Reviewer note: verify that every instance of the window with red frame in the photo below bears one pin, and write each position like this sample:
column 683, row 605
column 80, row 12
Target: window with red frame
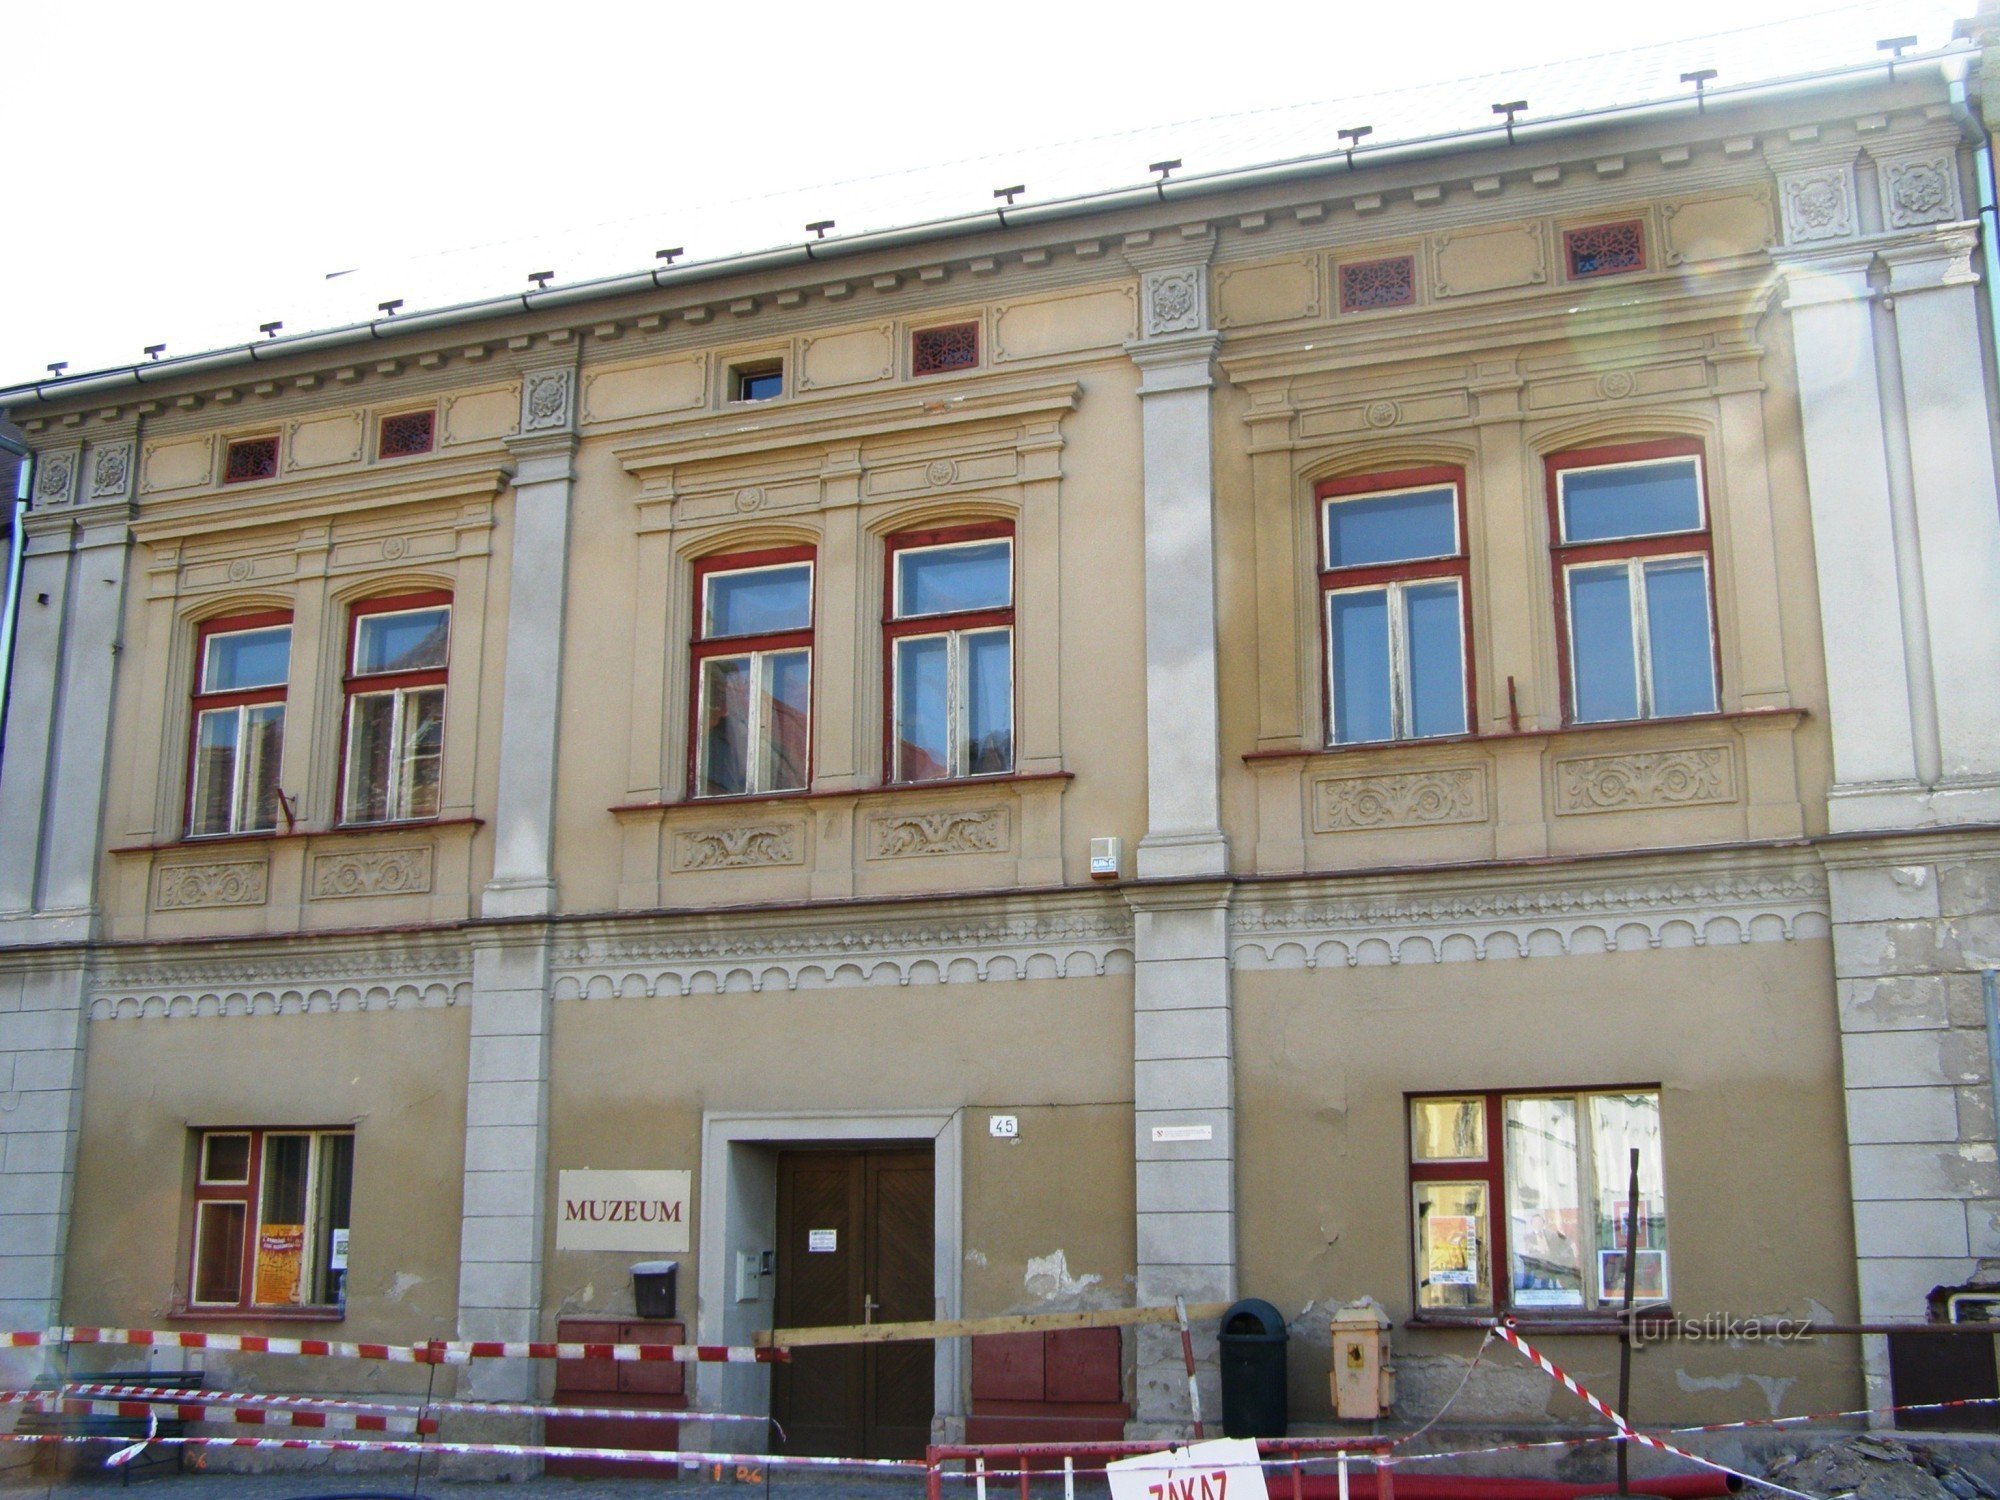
column 393, row 755
column 1634, row 600
column 753, row 673
column 241, row 667
column 1535, row 1188
column 271, row 1210
column 1393, row 585
column 949, row 636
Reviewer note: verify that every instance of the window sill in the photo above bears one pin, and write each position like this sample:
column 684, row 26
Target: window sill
column 1740, row 716
column 886, row 789
column 256, row 1314
column 338, row 830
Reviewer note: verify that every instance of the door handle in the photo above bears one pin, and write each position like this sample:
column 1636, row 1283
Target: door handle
column 869, row 1307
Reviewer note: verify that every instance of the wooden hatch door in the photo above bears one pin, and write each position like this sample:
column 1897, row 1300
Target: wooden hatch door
column 854, row 1246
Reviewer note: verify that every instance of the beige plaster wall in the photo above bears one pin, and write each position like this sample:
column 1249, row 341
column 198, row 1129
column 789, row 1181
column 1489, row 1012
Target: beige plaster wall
column 633, row 1078
column 1756, row 1170
column 398, row 1078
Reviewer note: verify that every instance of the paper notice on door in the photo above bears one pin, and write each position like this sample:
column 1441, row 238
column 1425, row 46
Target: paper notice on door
column 822, row 1241
column 1225, row 1469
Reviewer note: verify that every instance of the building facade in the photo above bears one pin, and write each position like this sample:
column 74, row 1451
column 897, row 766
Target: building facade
column 1516, row 609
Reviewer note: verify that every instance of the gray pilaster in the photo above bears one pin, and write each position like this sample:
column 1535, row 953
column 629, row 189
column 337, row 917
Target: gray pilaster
column 1183, row 1088
column 506, row 1152
column 523, row 881
column 1175, row 355
column 64, row 681
column 41, row 1106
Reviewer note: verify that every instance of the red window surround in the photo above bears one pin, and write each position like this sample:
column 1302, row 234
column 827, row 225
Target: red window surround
column 700, row 649
column 1459, row 567
column 893, row 628
column 1563, row 555
column 218, row 1255
column 1491, row 1171
column 352, row 686
column 202, row 701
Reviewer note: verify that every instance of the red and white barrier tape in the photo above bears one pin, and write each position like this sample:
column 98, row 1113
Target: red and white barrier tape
column 155, row 1395
column 179, row 1408
column 437, row 1352
column 1626, row 1431
column 488, row 1450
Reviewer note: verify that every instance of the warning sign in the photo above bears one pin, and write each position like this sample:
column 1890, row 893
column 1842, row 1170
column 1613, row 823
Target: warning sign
column 1225, row 1469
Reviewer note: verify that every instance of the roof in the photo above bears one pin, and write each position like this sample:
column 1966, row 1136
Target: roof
column 716, row 235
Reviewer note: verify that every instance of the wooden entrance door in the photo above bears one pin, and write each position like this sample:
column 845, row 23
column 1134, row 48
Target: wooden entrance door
column 854, row 1246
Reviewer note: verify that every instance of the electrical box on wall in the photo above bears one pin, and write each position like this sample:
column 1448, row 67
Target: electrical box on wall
column 749, row 1274
column 1104, row 857
column 1364, row 1381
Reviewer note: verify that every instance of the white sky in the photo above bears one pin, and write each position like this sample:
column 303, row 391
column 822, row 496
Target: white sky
column 182, row 169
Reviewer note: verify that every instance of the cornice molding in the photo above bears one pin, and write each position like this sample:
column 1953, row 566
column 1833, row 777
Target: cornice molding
column 214, row 510
column 708, row 438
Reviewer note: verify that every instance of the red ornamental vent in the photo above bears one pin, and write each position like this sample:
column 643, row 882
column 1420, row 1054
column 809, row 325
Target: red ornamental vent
column 1604, row 249
column 935, row 350
column 250, row 458
column 407, row 433
column 1366, row 285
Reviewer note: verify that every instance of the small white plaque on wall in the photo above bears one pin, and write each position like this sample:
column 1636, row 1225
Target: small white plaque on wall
column 1183, row 1132
column 622, row 1210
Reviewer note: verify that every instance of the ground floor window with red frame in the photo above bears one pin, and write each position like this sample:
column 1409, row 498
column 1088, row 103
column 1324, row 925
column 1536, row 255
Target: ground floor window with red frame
column 1533, row 1188
column 270, row 1219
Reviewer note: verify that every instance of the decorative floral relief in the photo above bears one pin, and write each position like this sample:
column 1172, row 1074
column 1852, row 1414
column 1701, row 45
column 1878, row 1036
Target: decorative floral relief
column 737, row 848
column 1819, row 205
column 1173, row 302
column 372, row 872
column 1918, row 192
column 111, row 472
column 545, row 401
column 1667, row 778
column 58, row 474
column 239, row 882
column 1407, row 800
column 956, row 831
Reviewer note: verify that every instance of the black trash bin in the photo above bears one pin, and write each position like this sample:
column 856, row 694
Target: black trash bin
column 1253, row 1370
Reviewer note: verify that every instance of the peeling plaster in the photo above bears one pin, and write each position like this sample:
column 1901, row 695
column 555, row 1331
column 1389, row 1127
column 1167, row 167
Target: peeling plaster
column 1693, row 1383
column 1774, row 1388
column 406, row 1282
column 975, row 1257
column 1048, row 1277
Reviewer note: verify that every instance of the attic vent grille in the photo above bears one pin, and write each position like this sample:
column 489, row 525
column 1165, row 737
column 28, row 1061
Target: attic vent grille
column 250, row 458
column 1366, row 285
column 407, row 433
column 1604, row 249
column 936, row 350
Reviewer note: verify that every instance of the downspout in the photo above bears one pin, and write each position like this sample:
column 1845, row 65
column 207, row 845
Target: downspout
column 10, row 596
column 1989, row 237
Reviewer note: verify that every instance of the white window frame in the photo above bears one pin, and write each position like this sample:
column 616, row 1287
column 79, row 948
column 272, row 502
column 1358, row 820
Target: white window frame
column 1642, row 634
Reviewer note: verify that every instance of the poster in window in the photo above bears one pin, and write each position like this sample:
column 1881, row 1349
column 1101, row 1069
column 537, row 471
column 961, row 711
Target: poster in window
column 1451, row 1244
column 280, row 1253
column 1649, row 1278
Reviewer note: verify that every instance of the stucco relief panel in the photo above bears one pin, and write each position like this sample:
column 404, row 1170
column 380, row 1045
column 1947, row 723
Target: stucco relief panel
column 371, row 872
column 1818, row 203
column 1414, row 799
column 1663, row 778
column 955, row 830
column 230, row 882
column 741, row 846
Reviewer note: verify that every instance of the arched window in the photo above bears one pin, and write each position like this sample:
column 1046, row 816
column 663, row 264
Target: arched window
column 752, row 673
column 949, row 646
column 393, row 752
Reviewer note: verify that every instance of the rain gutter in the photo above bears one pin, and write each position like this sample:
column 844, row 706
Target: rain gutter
column 1946, row 62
